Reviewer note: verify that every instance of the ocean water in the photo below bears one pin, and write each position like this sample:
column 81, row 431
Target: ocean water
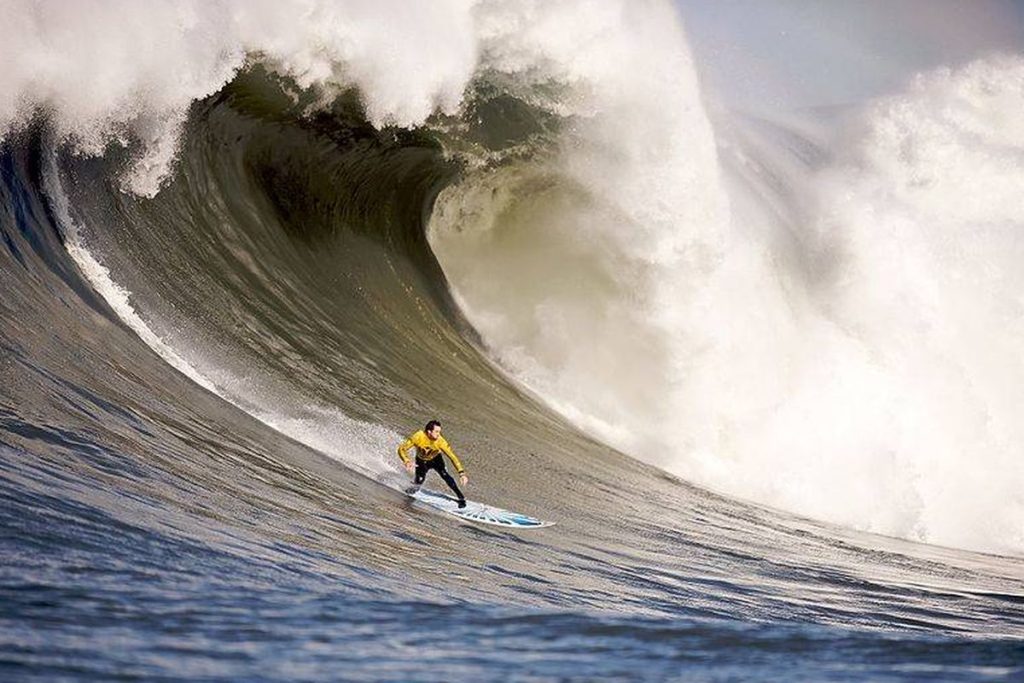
column 761, row 369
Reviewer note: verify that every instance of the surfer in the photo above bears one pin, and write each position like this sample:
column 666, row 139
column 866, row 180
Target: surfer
column 429, row 445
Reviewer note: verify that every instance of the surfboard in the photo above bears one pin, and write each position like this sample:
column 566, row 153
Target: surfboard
column 477, row 512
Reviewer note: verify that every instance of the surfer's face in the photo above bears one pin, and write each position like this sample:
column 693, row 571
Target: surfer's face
column 434, row 433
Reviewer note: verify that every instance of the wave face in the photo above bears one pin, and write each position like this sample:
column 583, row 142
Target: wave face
column 247, row 247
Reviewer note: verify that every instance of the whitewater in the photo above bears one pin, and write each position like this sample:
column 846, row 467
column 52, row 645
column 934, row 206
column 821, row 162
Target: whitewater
column 763, row 366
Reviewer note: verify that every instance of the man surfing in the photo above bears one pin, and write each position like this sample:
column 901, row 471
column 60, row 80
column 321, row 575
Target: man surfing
column 429, row 445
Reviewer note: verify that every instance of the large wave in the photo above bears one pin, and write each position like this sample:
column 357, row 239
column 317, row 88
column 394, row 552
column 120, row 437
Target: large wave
column 835, row 332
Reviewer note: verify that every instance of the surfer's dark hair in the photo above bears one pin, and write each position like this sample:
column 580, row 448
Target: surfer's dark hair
column 431, row 425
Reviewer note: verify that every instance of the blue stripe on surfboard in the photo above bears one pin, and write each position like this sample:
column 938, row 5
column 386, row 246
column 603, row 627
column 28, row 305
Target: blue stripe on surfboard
column 478, row 512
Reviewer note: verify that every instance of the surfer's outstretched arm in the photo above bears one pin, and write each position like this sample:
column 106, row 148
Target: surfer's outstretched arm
column 403, row 453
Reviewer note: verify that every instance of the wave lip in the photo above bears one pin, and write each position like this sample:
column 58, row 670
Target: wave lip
column 113, row 73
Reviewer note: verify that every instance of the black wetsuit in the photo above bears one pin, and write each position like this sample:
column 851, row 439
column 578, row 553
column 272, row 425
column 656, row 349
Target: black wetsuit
column 437, row 464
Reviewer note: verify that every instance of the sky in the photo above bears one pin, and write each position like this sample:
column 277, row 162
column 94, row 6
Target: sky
column 788, row 54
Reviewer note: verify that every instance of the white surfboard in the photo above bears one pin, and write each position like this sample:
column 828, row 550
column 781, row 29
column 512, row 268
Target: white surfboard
column 478, row 512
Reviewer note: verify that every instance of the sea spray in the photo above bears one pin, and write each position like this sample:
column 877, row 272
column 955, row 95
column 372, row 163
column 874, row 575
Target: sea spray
column 125, row 73
column 856, row 358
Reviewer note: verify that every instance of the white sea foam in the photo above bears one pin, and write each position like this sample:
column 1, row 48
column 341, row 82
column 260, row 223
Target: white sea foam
column 868, row 371
column 123, row 71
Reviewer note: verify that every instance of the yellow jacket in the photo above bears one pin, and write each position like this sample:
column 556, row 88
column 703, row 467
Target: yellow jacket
column 428, row 450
